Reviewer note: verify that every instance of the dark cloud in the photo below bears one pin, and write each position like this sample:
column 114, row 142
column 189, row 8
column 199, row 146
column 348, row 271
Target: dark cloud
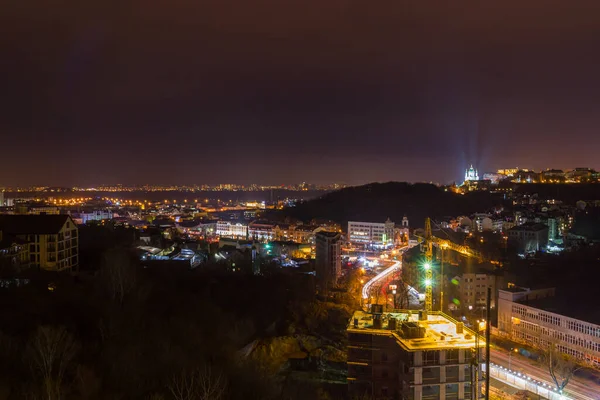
column 271, row 91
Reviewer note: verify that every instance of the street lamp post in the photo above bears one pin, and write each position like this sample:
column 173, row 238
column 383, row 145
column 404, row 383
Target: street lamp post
column 510, row 357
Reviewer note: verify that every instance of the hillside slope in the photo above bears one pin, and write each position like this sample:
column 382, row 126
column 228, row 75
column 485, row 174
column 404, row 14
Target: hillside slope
column 376, row 202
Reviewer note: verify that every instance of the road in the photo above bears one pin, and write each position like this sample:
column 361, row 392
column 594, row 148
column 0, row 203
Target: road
column 397, row 265
column 578, row 388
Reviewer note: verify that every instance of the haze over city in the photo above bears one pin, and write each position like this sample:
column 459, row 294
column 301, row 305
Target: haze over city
column 264, row 91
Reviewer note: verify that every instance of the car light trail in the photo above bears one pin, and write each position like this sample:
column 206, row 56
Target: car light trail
column 396, row 266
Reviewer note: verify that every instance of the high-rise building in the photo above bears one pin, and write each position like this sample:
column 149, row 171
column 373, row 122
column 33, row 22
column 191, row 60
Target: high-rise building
column 328, row 258
column 412, row 355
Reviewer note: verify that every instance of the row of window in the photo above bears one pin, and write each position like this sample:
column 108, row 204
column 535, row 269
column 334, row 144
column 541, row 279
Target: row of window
column 535, row 315
column 577, row 326
column 541, row 332
column 588, row 329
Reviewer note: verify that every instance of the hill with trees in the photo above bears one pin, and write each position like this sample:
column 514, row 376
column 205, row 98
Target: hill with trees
column 378, row 201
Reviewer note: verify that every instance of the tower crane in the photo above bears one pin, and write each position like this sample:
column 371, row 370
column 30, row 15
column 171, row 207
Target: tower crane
column 429, row 241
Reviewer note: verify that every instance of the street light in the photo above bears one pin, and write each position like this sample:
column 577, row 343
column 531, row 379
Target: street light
column 510, row 355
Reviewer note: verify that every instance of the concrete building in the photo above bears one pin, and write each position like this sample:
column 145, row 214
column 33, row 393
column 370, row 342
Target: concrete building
column 198, row 227
column 304, row 233
column 96, row 215
column 473, row 289
column 262, row 231
column 412, row 355
column 232, row 229
column 371, row 234
column 482, row 223
column 529, row 237
column 553, row 176
column 537, row 318
column 328, row 258
column 13, row 252
column 53, row 239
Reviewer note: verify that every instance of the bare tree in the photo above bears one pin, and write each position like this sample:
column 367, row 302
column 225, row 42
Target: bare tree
column 402, row 299
column 561, row 367
column 201, row 384
column 119, row 273
column 50, row 352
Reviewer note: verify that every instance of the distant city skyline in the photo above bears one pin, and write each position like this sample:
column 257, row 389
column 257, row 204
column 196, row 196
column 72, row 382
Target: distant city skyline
column 470, row 173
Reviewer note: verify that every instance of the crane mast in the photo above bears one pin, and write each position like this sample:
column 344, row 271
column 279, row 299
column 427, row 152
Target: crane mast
column 428, row 266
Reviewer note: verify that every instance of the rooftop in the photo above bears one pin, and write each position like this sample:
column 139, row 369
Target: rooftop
column 328, row 234
column 440, row 330
column 530, row 227
column 32, row 224
column 564, row 306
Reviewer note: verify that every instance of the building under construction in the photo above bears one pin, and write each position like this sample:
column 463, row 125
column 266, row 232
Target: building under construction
column 413, row 355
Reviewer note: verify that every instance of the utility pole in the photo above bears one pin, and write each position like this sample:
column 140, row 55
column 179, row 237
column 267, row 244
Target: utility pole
column 487, row 342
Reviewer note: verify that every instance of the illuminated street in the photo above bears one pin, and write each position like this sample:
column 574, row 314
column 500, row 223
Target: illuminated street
column 578, row 388
column 396, row 266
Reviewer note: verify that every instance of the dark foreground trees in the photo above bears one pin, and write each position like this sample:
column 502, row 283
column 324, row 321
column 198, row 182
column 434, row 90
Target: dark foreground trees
column 128, row 332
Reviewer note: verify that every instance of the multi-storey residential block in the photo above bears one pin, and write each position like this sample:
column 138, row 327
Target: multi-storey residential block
column 412, row 355
column 529, row 237
column 53, row 239
column 328, row 258
column 14, row 253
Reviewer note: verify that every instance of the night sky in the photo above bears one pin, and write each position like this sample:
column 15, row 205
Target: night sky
column 281, row 91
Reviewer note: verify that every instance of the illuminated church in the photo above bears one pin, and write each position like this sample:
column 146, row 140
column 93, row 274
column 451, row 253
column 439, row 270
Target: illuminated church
column 471, row 174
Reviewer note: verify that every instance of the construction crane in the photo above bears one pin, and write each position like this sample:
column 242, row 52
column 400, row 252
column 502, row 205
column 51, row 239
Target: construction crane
column 428, row 266
column 429, row 241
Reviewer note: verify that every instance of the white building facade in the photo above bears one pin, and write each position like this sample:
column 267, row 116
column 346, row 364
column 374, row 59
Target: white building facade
column 540, row 328
column 375, row 234
column 232, row 229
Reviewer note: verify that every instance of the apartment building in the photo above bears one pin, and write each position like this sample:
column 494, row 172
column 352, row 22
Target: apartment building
column 529, row 237
column 328, row 258
column 537, row 318
column 473, row 289
column 14, row 253
column 412, row 355
column 53, row 239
